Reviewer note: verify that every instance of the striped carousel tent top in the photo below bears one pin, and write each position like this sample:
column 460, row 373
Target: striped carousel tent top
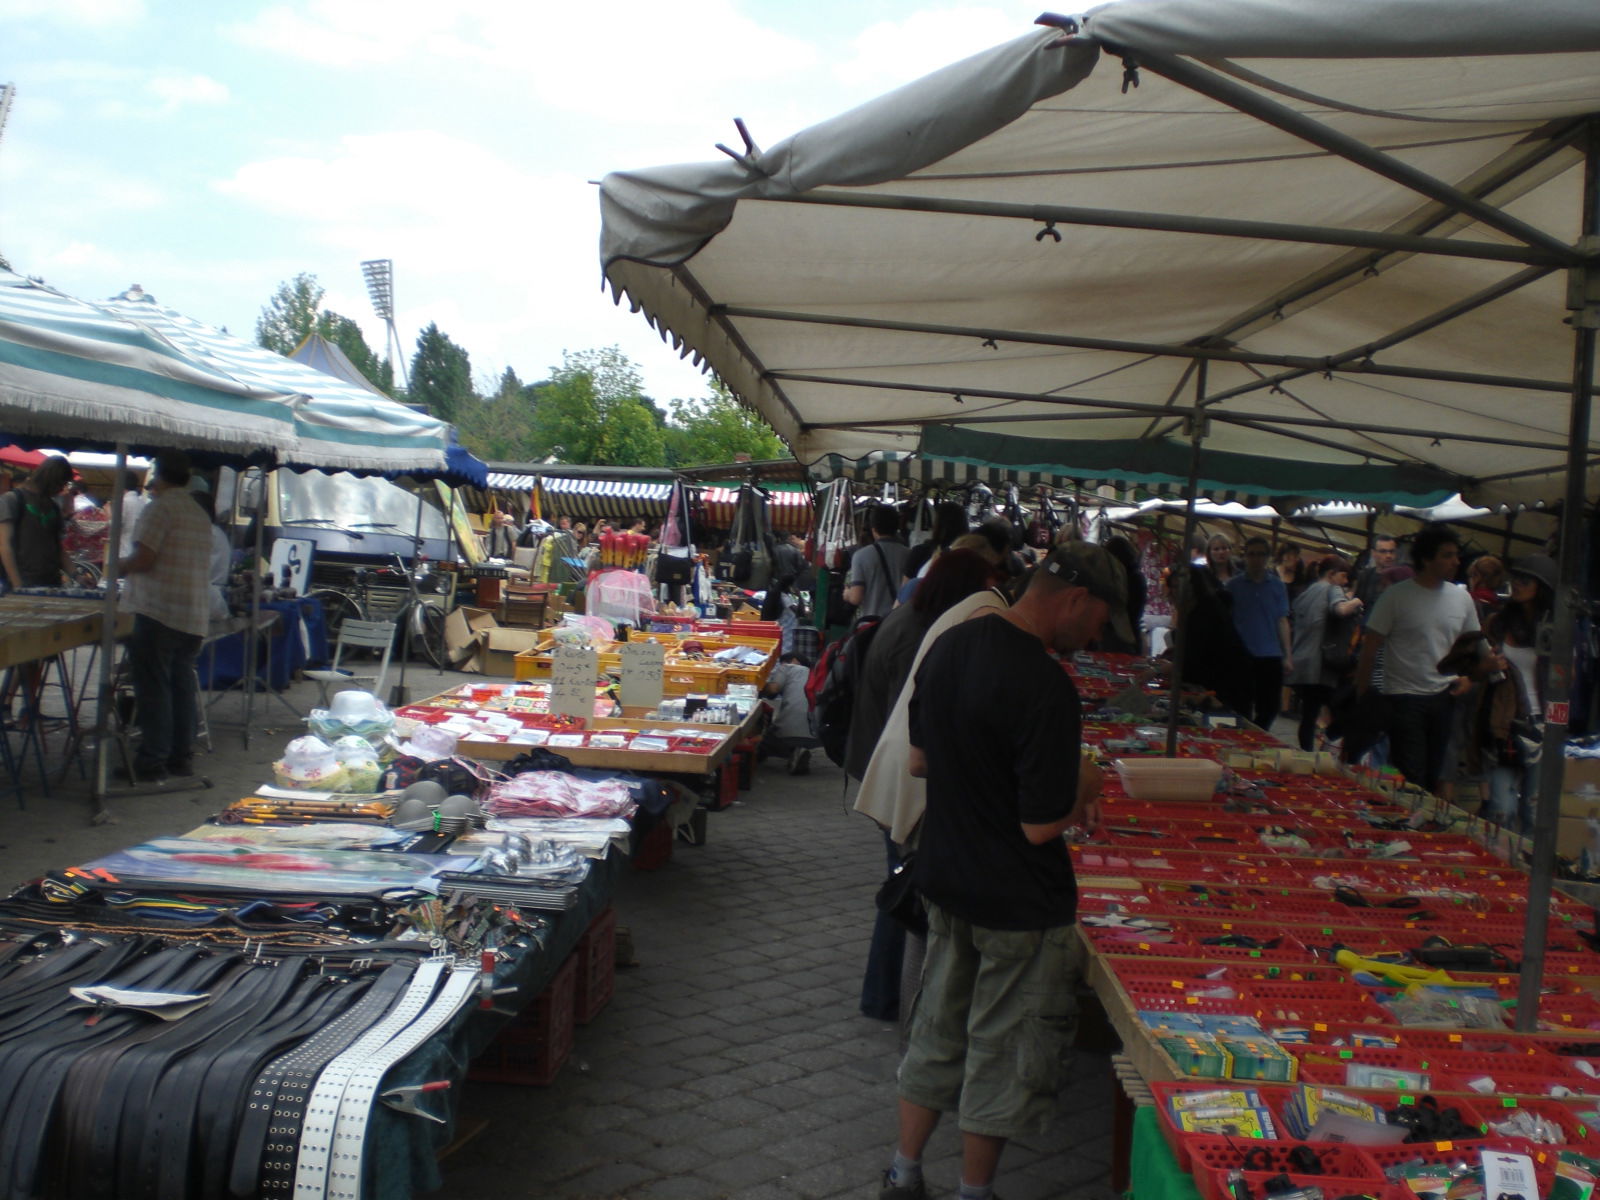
column 335, row 424
column 588, row 496
column 789, row 508
column 74, row 373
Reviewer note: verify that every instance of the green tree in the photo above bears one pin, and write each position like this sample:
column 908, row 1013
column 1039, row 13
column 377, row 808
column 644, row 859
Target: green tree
column 499, row 428
column 566, row 418
column 291, row 315
column 295, row 312
column 441, row 374
column 630, row 436
column 592, row 409
column 717, row 429
column 346, row 334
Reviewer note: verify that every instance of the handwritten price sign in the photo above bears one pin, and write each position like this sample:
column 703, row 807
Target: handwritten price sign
column 643, row 666
column 572, row 674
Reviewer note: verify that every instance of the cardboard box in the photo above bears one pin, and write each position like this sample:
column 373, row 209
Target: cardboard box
column 1580, row 773
column 464, row 630
column 498, row 655
column 1572, row 835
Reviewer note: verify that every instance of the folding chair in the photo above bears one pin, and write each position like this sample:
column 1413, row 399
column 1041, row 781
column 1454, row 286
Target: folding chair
column 375, row 635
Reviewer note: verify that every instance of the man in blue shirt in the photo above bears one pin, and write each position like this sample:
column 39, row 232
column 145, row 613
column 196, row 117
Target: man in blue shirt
column 1261, row 616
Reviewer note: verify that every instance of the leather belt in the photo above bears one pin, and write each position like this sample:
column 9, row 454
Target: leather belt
column 355, row 1109
column 322, row 1108
column 163, row 1155
column 227, row 1083
column 45, row 1059
column 269, row 1131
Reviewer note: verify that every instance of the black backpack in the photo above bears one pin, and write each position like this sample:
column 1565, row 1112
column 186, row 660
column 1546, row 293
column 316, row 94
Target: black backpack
column 831, row 688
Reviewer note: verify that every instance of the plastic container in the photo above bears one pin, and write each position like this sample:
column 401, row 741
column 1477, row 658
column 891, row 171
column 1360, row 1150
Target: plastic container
column 1180, row 779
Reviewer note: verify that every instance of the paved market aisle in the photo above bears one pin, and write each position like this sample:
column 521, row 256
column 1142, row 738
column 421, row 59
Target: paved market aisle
column 732, row 1061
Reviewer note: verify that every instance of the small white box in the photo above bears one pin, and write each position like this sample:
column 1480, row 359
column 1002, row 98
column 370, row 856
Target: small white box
column 1169, row 778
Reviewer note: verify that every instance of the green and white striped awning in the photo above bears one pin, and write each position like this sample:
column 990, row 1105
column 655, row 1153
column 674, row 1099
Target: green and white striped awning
column 78, row 374
column 337, row 424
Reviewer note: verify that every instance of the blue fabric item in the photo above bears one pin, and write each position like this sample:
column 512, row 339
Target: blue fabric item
column 1257, row 607
column 222, row 664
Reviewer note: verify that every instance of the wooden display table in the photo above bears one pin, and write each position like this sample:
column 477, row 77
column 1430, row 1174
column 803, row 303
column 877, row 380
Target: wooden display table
column 647, row 762
column 36, row 627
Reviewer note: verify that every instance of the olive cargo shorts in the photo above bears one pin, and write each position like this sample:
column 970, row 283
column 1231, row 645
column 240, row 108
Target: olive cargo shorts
column 993, row 1024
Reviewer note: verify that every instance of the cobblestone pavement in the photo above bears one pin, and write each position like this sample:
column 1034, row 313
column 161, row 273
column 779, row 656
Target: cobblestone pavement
column 732, row 1061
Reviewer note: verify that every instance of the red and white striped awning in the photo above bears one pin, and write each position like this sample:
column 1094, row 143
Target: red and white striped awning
column 790, row 512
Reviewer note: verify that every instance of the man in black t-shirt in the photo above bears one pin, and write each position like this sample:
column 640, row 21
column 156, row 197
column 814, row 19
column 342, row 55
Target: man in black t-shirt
column 995, row 725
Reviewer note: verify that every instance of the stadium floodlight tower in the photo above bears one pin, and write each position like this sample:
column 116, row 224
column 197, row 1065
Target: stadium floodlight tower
column 379, row 274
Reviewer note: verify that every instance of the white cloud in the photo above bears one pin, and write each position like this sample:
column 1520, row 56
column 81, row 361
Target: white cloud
column 93, row 14
column 890, row 53
column 348, row 33
column 175, row 91
column 503, row 258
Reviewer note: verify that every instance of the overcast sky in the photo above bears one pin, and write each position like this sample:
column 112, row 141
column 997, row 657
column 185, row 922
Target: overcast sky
column 210, row 151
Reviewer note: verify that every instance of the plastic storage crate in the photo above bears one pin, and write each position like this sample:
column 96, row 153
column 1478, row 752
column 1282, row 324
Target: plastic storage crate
column 531, row 1049
column 596, row 955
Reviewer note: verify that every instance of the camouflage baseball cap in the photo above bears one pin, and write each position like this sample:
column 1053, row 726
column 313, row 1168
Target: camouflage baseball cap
column 1085, row 565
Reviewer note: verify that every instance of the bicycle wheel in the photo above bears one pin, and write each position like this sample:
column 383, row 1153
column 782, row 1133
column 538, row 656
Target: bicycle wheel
column 430, row 632
column 337, row 607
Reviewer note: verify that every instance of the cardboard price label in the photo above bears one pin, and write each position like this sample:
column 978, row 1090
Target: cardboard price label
column 643, row 667
column 572, row 676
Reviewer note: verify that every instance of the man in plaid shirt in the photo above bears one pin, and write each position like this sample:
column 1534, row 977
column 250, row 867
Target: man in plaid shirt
column 168, row 577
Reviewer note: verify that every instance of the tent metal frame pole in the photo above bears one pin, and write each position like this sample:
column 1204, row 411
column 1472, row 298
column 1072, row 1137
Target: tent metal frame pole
column 1460, row 308
column 1272, row 231
column 1271, row 112
column 1254, row 420
column 1318, row 366
column 108, row 641
column 1185, row 597
column 252, row 643
column 1584, row 300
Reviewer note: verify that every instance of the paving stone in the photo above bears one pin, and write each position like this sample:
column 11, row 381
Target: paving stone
column 733, row 1063
column 718, row 1085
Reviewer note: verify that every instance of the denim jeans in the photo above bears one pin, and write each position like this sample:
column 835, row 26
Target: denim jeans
column 1512, row 792
column 161, row 661
column 880, row 987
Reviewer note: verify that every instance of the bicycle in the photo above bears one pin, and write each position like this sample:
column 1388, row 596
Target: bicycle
column 374, row 596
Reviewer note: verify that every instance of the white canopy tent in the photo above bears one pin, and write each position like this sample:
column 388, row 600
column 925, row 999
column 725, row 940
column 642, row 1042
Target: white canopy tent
column 1302, row 248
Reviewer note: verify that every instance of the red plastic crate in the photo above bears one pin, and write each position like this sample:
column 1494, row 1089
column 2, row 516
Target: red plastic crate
column 1211, row 1158
column 1308, row 992
column 1383, row 1157
column 596, row 953
column 1579, row 1134
column 1315, row 1011
column 1153, row 1001
column 1331, row 1185
column 1129, row 948
column 1469, row 1064
column 1272, row 1096
column 531, row 1049
column 1500, row 1042
column 1328, row 1065
column 655, row 848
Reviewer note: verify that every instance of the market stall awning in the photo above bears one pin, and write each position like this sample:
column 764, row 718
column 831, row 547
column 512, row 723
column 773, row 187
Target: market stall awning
column 1345, row 226
column 75, row 373
column 788, row 510
column 614, row 499
column 337, row 424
